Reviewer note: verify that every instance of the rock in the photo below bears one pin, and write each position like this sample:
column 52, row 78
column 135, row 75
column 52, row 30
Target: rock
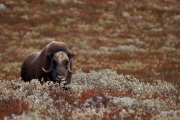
column 125, row 14
column 2, row 7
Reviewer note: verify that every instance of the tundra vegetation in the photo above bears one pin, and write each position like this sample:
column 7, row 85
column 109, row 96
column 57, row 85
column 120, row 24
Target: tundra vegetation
column 128, row 51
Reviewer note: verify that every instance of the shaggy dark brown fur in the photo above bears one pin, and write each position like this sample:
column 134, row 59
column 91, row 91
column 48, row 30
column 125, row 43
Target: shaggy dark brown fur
column 32, row 66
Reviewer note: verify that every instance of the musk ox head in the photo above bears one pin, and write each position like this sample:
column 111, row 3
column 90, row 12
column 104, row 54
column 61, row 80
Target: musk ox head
column 60, row 66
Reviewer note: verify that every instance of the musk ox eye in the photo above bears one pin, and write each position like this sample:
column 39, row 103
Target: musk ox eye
column 65, row 62
column 54, row 62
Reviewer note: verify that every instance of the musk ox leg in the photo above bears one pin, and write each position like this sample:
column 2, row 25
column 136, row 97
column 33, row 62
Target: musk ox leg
column 66, row 88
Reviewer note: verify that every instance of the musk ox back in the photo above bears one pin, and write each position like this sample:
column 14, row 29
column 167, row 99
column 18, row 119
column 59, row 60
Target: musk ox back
column 53, row 63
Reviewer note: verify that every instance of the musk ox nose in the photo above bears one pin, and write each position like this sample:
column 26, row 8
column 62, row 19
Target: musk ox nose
column 60, row 77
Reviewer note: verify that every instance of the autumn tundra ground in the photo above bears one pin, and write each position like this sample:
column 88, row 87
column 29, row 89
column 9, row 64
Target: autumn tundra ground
column 128, row 51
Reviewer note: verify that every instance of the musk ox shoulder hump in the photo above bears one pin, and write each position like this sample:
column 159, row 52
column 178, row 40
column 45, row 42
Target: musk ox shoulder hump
column 55, row 46
column 33, row 56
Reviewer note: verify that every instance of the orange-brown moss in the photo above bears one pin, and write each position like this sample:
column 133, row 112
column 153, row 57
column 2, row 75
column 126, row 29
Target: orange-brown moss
column 9, row 107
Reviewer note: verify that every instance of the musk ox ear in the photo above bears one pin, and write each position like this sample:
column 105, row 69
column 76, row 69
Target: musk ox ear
column 70, row 55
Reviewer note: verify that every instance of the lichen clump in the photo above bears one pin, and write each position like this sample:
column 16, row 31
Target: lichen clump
column 94, row 95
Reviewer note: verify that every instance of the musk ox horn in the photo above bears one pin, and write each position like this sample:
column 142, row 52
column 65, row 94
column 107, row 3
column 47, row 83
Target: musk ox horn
column 72, row 72
column 47, row 71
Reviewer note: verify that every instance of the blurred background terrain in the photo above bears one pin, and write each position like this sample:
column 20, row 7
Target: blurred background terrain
column 139, row 38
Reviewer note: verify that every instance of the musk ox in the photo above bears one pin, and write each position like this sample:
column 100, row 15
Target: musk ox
column 53, row 63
